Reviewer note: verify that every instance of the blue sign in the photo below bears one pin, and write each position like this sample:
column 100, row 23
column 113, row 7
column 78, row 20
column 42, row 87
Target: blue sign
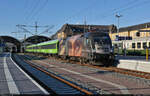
column 119, row 38
column 2, row 45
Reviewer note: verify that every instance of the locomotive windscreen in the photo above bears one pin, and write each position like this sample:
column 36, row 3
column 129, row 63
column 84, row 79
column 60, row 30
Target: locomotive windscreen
column 102, row 40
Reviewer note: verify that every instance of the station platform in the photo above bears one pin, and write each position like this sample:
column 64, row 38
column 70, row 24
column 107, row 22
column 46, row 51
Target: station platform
column 138, row 63
column 13, row 80
column 141, row 58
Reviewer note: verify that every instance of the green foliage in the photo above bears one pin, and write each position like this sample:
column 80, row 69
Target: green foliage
column 131, row 52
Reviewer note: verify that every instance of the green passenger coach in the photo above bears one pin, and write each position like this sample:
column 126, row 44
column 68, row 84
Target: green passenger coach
column 49, row 47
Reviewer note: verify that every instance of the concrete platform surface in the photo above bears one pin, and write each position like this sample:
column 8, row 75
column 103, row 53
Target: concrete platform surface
column 13, row 80
column 134, row 63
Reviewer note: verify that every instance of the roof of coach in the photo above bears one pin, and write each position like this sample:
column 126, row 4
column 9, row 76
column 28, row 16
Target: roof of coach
column 48, row 42
column 29, row 46
column 44, row 43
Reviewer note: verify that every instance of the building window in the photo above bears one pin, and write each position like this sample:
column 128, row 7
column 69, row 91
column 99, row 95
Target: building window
column 138, row 45
column 144, row 45
column 115, row 46
column 133, row 45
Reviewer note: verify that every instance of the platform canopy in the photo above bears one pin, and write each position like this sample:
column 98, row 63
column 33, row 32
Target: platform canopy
column 10, row 39
column 36, row 39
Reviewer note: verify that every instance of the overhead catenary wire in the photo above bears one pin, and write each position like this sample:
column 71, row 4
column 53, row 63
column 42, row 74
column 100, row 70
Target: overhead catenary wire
column 139, row 19
column 81, row 11
column 129, row 5
column 118, row 9
column 91, row 6
column 123, row 9
column 35, row 12
column 26, row 7
column 32, row 9
column 76, row 14
column 40, row 9
column 135, row 5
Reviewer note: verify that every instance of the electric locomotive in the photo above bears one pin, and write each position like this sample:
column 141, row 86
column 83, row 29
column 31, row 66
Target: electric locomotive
column 93, row 47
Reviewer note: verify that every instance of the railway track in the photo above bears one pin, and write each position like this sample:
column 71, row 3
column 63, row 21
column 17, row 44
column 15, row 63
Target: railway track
column 104, row 73
column 135, row 73
column 129, row 72
column 53, row 83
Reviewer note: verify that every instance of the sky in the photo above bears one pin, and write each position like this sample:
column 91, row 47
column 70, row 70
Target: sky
column 53, row 14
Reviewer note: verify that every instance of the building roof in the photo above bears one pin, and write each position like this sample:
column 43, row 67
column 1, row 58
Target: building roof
column 78, row 29
column 10, row 39
column 135, row 27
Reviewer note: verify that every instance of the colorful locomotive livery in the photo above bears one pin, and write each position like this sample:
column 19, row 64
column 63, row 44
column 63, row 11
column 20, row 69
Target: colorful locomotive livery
column 87, row 47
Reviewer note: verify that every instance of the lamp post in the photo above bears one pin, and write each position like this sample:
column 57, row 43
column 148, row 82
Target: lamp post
column 118, row 17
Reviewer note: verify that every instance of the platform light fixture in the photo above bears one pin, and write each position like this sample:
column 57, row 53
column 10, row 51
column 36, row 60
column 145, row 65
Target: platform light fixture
column 118, row 17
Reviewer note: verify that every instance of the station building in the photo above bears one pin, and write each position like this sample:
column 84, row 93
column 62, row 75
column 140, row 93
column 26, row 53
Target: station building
column 11, row 44
column 134, row 39
column 68, row 30
column 135, row 31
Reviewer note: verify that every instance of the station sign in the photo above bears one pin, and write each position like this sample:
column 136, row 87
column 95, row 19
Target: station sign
column 2, row 45
column 119, row 38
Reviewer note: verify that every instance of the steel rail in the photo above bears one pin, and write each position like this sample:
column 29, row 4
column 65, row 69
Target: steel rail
column 60, row 79
column 141, row 74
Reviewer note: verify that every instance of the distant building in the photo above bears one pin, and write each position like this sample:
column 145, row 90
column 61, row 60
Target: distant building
column 135, row 31
column 132, row 39
column 68, row 30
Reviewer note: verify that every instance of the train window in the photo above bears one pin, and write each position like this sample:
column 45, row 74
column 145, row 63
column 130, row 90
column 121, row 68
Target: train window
column 138, row 45
column 144, row 45
column 87, row 41
column 133, row 45
column 49, row 46
column 96, row 39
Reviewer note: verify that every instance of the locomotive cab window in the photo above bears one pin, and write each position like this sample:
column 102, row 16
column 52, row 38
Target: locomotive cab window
column 101, row 41
column 97, row 41
column 87, row 41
